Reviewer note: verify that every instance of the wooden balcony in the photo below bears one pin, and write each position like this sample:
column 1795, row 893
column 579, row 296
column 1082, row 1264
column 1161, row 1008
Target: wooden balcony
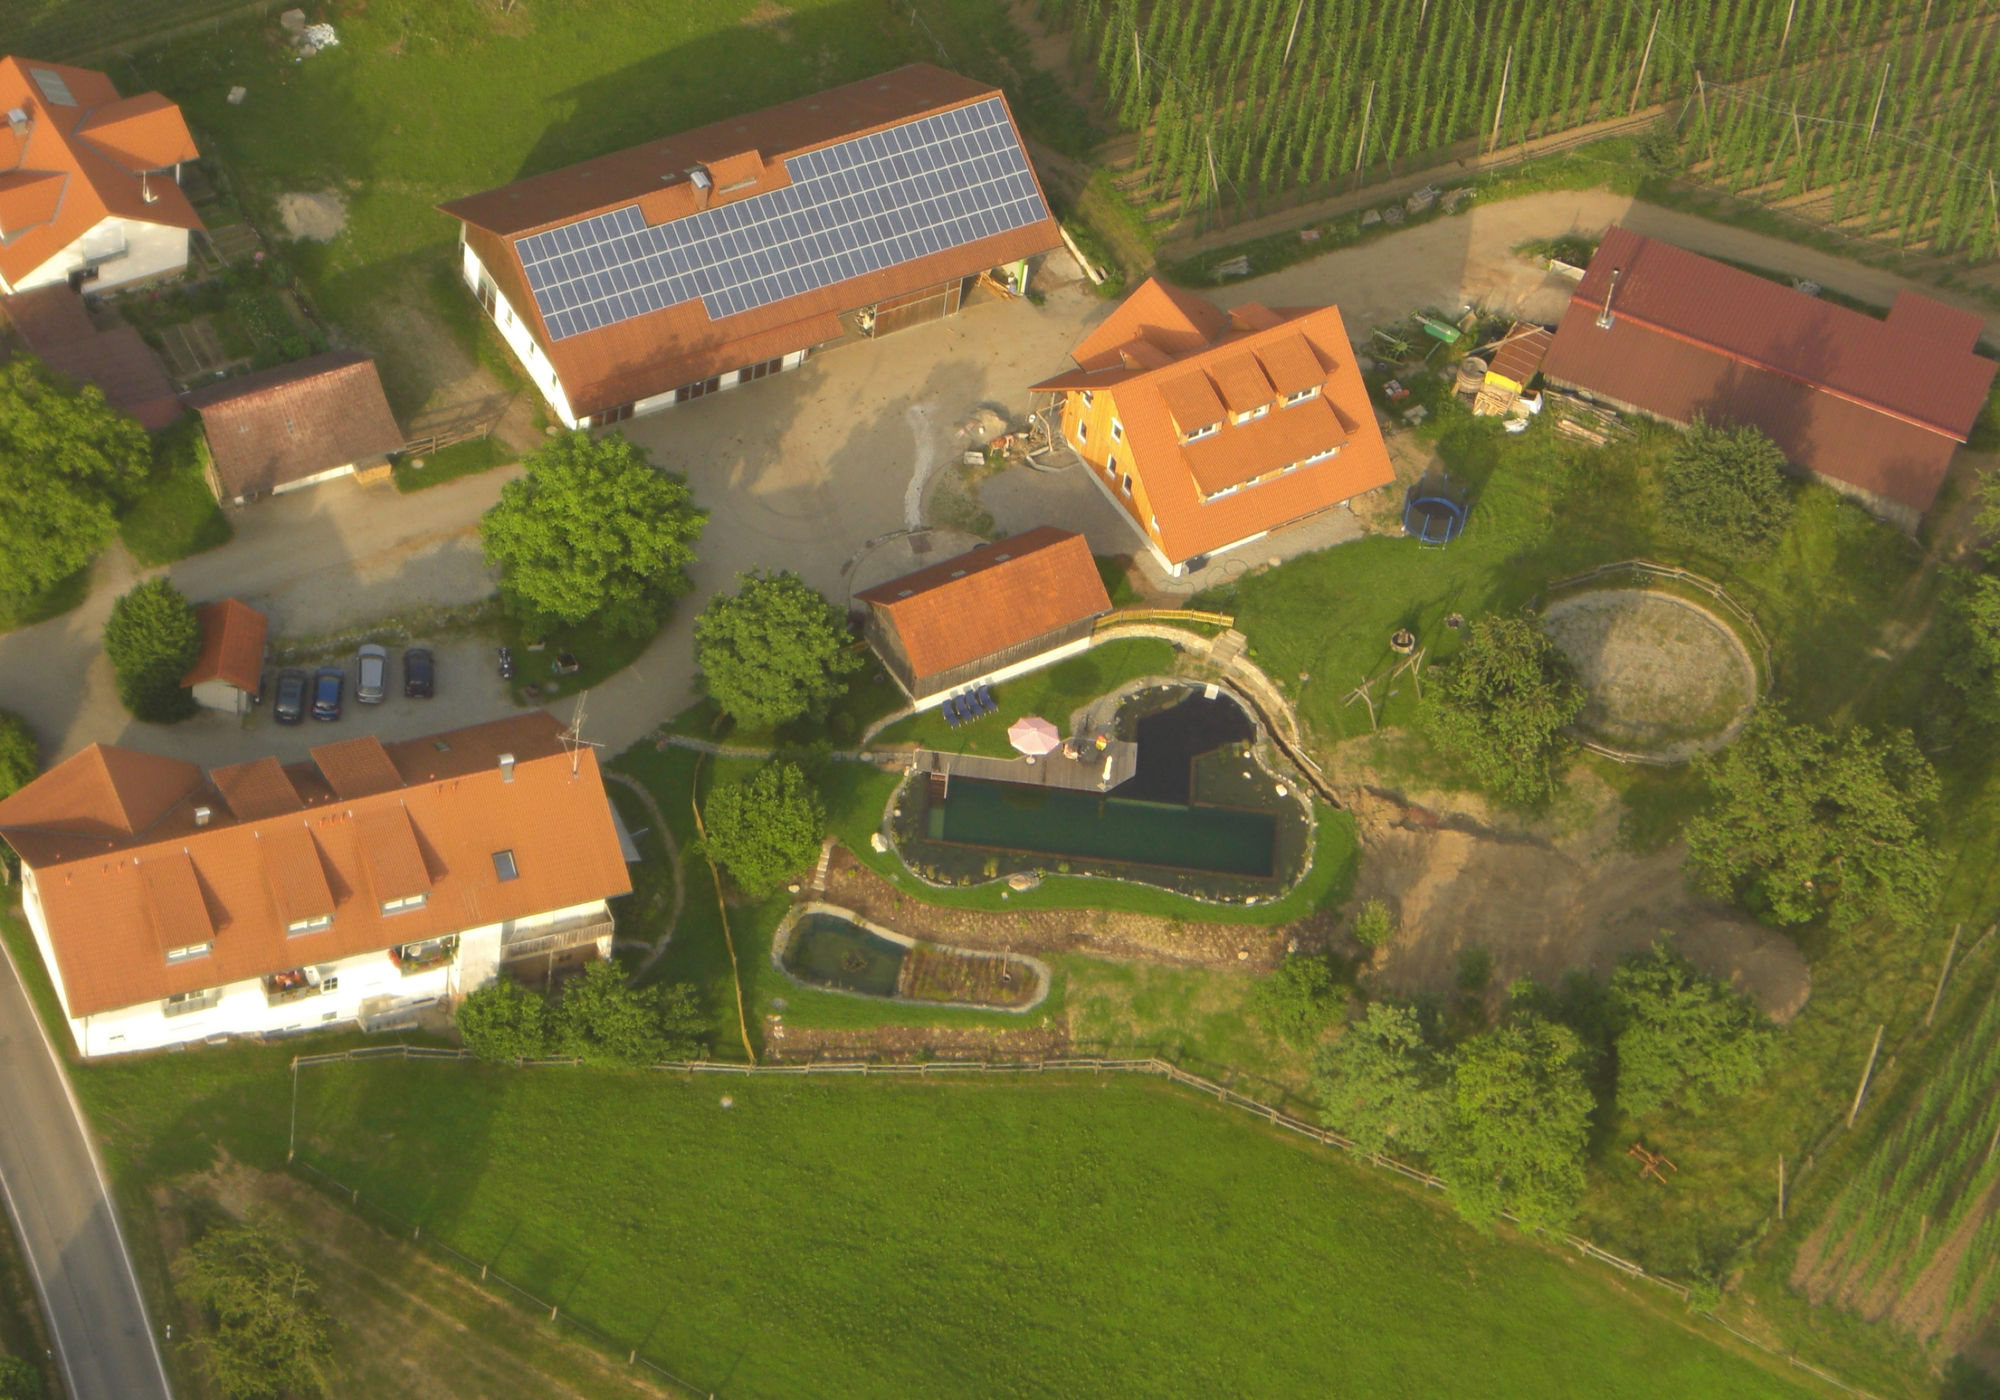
column 543, row 939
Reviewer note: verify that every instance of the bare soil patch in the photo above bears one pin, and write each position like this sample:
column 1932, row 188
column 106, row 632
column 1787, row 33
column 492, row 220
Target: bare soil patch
column 318, row 217
column 1664, row 676
column 1542, row 902
column 786, row 1042
column 768, row 14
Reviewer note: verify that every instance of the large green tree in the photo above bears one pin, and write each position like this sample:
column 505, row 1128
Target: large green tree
column 1683, row 1038
column 602, row 1020
column 774, row 651
column 267, row 1333
column 593, row 533
column 1807, row 821
column 1383, row 1084
column 1972, row 657
column 1498, row 709
column 765, row 828
column 1724, row 490
column 69, row 463
column 20, row 758
column 152, row 637
column 1517, row 1124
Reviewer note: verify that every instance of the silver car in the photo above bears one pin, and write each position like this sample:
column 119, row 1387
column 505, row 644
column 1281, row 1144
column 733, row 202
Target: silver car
column 374, row 680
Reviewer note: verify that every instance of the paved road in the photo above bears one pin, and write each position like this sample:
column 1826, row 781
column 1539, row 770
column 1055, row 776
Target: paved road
column 61, row 1211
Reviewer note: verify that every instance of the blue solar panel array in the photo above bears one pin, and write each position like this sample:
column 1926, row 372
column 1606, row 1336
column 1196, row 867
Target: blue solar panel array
column 851, row 209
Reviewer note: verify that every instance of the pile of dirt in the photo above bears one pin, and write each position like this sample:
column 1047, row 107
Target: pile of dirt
column 1049, row 1037
column 1542, row 901
column 318, row 218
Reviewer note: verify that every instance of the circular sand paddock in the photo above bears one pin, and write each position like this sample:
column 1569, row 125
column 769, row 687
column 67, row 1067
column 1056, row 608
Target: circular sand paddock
column 1666, row 678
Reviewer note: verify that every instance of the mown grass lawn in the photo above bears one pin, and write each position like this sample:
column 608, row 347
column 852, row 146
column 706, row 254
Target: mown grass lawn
column 460, row 459
column 1542, row 508
column 989, row 1238
column 1053, row 693
column 176, row 515
column 427, row 101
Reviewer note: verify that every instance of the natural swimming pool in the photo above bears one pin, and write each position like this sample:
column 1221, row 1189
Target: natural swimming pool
column 824, row 945
column 1199, row 814
column 1099, row 826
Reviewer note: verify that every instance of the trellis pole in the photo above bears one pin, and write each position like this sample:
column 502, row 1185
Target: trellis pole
column 1639, row 86
column 1786, row 36
column 1943, row 972
column 1500, row 109
column 1880, row 92
column 1867, row 1070
column 1367, row 110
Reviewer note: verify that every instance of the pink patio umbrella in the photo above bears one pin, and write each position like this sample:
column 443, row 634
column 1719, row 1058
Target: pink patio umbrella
column 1033, row 735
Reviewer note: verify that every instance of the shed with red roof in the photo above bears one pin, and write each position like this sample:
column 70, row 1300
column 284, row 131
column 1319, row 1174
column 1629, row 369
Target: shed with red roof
column 1873, row 408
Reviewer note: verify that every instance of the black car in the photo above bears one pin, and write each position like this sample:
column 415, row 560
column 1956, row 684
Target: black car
column 291, row 703
column 327, row 684
column 419, row 673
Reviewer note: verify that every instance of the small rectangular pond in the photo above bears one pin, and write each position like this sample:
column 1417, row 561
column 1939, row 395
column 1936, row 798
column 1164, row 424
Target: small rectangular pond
column 835, row 952
column 1220, row 840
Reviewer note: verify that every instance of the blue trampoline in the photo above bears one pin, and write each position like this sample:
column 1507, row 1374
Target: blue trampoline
column 1433, row 513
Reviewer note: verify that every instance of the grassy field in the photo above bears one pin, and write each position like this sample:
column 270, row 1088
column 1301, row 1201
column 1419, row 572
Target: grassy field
column 460, row 459
column 1000, row 1238
column 425, row 102
column 177, row 515
column 1053, row 693
column 20, row 1310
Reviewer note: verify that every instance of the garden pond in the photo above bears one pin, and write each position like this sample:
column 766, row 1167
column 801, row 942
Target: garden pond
column 836, row 950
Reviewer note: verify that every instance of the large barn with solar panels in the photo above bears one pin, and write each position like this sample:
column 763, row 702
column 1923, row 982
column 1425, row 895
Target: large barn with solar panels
column 707, row 259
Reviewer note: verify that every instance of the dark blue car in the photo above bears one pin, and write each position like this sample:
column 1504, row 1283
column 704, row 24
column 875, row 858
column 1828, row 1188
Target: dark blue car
column 327, row 684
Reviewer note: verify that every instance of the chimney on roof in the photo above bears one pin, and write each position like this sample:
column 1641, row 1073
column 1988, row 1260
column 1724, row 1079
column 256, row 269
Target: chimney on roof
column 506, row 768
column 201, row 815
column 1604, row 317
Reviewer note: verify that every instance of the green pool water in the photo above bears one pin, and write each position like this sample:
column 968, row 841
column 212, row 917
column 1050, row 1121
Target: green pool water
column 834, row 952
column 1056, row 822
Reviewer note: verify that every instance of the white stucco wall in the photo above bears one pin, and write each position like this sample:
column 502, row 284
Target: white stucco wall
column 221, row 695
column 367, row 982
column 315, row 479
column 150, row 250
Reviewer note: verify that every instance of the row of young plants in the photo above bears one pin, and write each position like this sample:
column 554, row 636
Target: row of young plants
column 1902, row 143
column 1933, row 1173
column 1234, row 101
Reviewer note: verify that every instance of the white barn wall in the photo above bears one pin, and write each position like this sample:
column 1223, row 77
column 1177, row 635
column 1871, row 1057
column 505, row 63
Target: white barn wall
column 151, row 250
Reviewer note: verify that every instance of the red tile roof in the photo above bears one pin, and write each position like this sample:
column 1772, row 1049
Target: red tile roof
column 283, row 425
column 123, row 871
column 232, row 646
column 677, row 345
column 1879, row 405
column 1248, row 477
column 991, row 598
column 56, row 328
column 83, row 161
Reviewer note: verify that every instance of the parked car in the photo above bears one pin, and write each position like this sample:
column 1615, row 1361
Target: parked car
column 291, row 703
column 327, row 684
column 419, row 673
column 373, row 681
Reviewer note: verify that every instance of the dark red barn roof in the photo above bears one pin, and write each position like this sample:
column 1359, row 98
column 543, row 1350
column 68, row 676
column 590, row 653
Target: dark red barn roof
column 1877, row 404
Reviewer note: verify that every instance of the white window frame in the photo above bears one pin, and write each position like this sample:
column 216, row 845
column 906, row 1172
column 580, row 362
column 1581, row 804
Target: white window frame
column 1311, row 391
column 1117, row 431
column 190, row 952
column 319, row 923
column 406, row 903
column 1320, row 456
column 1082, row 431
column 1258, row 412
column 1206, row 430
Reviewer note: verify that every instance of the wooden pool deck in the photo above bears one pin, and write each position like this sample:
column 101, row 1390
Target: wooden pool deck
column 1098, row 772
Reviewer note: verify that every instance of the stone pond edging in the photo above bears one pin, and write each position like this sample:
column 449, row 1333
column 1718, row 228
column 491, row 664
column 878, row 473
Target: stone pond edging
column 781, row 941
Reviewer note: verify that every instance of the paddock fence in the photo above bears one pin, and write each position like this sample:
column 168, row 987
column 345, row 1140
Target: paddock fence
column 1650, row 571
column 940, row 1069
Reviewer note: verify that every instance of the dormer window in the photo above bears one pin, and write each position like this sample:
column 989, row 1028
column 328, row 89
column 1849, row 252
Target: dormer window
column 1206, row 430
column 405, row 904
column 1258, row 412
column 1321, row 456
column 188, row 953
column 1311, row 391
column 319, row 923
